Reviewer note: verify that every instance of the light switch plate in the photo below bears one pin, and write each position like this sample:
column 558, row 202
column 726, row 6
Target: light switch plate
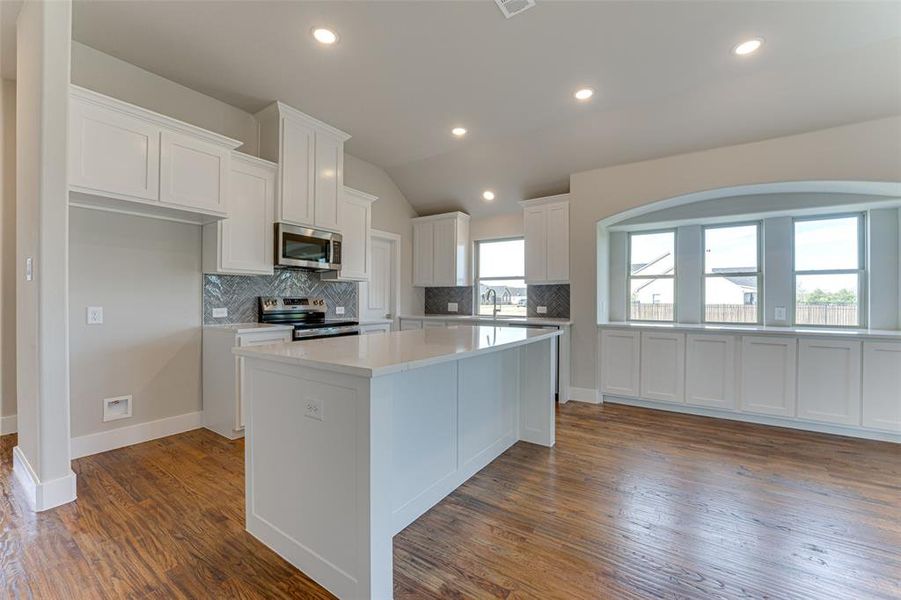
column 220, row 313
column 95, row 315
column 339, row 310
column 780, row 313
column 452, row 307
column 542, row 310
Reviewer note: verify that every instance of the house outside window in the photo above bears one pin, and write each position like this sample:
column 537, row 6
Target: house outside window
column 732, row 275
column 652, row 276
column 500, row 270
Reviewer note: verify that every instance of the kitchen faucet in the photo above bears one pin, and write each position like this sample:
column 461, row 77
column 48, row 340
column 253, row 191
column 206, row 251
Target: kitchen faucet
column 493, row 295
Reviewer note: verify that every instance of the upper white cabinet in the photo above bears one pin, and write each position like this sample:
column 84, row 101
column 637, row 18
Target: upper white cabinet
column 882, row 385
column 242, row 244
column 310, row 155
column 123, row 157
column 710, row 370
column 441, row 250
column 663, row 366
column 546, row 232
column 355, row 223
column 768, row 375
column 829, row 381
column 620, row 353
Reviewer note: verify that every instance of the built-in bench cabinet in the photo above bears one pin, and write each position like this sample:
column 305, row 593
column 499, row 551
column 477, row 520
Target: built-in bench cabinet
column 850, row 386
column 441, row 250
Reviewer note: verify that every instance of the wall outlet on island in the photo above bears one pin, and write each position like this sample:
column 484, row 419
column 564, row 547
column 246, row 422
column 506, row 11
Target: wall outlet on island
column 220, row 313
column 452, row 307
column 339, row 310
column 542, row 310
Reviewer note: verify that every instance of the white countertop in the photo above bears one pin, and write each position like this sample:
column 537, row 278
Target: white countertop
column 375, row 321
column 759, row 329
column 374, row 355
column 239, row 328
column 490, row 319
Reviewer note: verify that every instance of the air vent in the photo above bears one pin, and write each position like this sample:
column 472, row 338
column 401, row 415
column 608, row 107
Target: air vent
column 511, row 8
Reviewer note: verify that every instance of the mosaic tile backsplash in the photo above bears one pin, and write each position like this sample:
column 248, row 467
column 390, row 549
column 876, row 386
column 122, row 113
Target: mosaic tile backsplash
column 554, row 297
column 239, row 294
column 436, row 299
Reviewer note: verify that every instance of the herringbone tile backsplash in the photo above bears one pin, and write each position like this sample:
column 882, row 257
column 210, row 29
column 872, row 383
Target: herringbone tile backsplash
column 554, row 297
column 436, row 299
column 239, row 294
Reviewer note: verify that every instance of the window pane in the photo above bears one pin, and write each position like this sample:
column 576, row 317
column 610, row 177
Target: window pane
column 511, row 297
column 502, row 259
column 826, row 300
column 652, row 253
column 730, row 249
column 826, row 244
column 652, row 299
column 731, row 299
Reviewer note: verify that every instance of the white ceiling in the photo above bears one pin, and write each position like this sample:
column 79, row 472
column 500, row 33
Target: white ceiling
column 404, row 73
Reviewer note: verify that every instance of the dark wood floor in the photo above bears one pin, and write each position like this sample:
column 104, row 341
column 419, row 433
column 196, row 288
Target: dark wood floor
column 631, row 503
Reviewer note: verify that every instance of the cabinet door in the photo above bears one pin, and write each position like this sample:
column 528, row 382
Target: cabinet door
column 329, row 161
column 829, row 381
column 710, row 371
column 113, row 152
column 370, row 329
column 409, row 324
column 663, row 366
column 193, row 173
column 535, row 234
column 620, row 362
column 428, row 323
column 445, row 252
column 768, row 372
column 558, row 242
column 882, row 385
column 296, row 194
column 245, row 239
column 246, row 341
column 356, row 217
column 423, row 253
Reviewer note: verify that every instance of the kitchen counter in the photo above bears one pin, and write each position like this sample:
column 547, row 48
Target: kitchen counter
column 489, row 319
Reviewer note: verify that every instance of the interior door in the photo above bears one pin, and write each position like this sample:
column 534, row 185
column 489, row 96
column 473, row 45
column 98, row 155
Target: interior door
column 377, row 294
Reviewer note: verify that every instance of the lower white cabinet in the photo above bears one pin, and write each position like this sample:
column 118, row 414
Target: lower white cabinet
column 430, row 323
column 710, row 370
column 663, row 366
column 829, row 381
column 620, row 360
column 768, row 373
column 375, row 328
column 408, row 324
column 882, row 385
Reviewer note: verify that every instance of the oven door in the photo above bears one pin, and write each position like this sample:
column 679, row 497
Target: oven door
column 307, row 248
column 325, row 332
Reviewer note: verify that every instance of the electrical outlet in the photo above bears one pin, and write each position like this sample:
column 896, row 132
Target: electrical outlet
column 220, row 313
column 339, row 310
column 95, row 315
column 116, row 408
column 542, row 310
column 452, row 307
column 313, row 409
column 779, row 313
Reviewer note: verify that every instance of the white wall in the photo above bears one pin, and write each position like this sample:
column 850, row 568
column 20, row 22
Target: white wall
column 496, row 226
column 868, row 151
column 7, row 252
column 145, row 273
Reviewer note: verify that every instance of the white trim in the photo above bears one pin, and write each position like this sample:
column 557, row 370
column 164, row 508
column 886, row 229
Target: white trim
column 103, row 441
column 791, row 423
column 440, row 216
column 9, row 424
column 589, row 395
column 545, row 200
column 42, row 495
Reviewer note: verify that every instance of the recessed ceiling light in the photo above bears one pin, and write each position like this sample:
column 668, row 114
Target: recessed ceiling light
column 748, row 47
column 325, row 36
column 488, row 195
column 584, row 94
column 459, row 131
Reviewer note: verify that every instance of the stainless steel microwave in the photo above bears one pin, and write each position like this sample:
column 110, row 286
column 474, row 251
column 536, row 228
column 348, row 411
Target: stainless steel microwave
column 306, row 248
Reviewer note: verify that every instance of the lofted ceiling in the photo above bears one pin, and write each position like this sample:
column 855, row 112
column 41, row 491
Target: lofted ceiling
column 405, row 72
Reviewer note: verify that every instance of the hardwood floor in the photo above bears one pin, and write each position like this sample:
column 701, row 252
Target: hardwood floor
column 632, row 503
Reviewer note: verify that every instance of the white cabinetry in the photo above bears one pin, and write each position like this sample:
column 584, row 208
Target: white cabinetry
column 441, row 250
column 768, row 374
column 375, row 328
column 546, row 233
column 620, row 362
column 242, row 243
column 410, row 324
column 710, row 370
column 355, row 224
column 663, row 366
column 128, row 159
column 829, row 381
column 310, row 155
column 882, row 385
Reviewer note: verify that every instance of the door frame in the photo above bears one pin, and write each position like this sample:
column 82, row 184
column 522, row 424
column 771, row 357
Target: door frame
column 397, row 241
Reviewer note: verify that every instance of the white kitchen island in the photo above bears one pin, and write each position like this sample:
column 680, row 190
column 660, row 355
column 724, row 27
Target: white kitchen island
column 349, row 440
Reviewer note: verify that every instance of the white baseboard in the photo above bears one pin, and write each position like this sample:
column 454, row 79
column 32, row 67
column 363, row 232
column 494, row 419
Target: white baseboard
column 589, row 395
column 42, row 495
column 8, row 424
column 103, row 441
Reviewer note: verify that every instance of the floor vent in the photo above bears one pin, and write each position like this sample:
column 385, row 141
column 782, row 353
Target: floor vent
column 511, row 8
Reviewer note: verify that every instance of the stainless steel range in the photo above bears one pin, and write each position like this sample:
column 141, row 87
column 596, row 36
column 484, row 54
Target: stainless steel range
column 307, row 315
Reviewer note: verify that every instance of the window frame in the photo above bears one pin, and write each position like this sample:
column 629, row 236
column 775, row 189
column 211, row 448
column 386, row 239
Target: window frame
column 476, row 271
column 759, row 273
column 861, row 270
column 629, row 276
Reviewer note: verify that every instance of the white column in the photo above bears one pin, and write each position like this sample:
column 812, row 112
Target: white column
column 689, row 271
column 41, row 460
column 883, row 265
column 778, row 269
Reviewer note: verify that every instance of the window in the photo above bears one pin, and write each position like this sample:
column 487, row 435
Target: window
column 829, row 271
column 732, row 278
column 500, row 268
column 652, row 276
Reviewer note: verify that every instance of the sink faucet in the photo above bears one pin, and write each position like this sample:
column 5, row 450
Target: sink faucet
column 491, row 293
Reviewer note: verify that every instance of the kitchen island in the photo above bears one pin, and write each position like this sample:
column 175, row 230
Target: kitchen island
column 349, row 440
